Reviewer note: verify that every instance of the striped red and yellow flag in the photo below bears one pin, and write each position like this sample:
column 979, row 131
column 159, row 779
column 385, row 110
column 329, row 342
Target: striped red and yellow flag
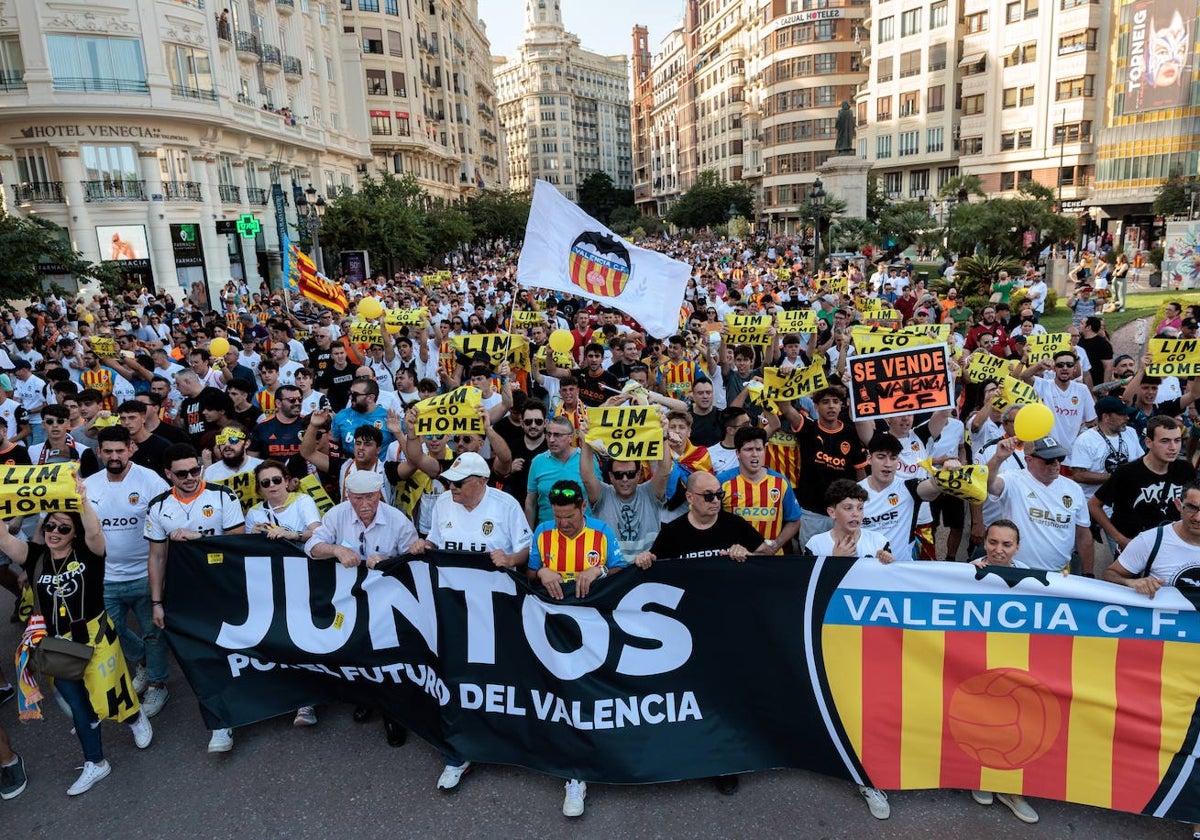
column 316, row 286
column 1041, row 696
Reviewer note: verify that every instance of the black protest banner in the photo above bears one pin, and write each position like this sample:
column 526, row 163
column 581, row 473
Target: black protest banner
column 656, row 676
column 897, row 382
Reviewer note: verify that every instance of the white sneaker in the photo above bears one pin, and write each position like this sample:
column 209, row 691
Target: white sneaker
column 154, row 700
column 983, row 797
column 91, row 774
column 140, row 679
column 573, row 801
column 877, row 801
column 1021, row 809
column 452, row 775
column 221, row 741
column 143, row 732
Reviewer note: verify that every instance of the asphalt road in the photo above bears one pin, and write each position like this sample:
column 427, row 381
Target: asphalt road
column 341, row 780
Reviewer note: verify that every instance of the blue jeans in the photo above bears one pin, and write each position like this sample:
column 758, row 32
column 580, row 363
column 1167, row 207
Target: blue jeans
column 87, row 725
column 119, row 598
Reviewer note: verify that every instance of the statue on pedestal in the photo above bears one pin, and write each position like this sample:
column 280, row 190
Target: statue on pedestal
column 845, row 131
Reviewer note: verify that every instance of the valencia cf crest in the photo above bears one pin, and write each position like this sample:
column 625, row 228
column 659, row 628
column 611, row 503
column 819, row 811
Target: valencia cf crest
column 593, row 558
column 893, row 499
column 488, row 527
column 845, row 447
column 774, row 494
column 1074, row 400
column 916, row 447
column 134, row 498
column 599, row 264
column 1067, row 501
column 207, row 510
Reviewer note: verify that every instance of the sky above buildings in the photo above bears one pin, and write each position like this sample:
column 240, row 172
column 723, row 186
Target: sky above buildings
column 603, row 26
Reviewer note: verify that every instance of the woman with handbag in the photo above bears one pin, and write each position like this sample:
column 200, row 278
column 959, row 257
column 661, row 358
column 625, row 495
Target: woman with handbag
column 70, row 638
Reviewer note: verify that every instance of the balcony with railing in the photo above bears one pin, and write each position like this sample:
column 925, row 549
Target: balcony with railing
column 39, row 192
column 114, row 190
column 181, row 191
column 286, row 6
column 196, row 94
column 292, row 68
column 256, row 195
column 272, row 59
column 11, row 80
column 247, row 46
column 92, row 84
column 230, row 194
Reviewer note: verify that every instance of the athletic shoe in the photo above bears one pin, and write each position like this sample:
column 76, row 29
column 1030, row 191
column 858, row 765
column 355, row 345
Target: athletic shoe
column 727, row 785
column 13, row 780
column 452, row 775
column 983, row 797
column 877, row 801
column 91, row 774
column 143, row 732
column 221, row 741
column 1020, row 808
column 7, row 693
column 140, row 679
column 305, row 716
column 154, row 700
column 573, row 801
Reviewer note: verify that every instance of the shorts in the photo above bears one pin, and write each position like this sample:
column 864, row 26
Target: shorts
column 949, row 511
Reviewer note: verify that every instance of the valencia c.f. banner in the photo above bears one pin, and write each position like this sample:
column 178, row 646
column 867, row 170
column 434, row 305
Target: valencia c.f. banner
column 599, row 264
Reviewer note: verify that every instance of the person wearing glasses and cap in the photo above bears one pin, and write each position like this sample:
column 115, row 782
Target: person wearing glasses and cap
column 230, row 445
column 191, row 510
column 1070, row 400
column 572, row 548
column 471, row 516
column 1050, row 509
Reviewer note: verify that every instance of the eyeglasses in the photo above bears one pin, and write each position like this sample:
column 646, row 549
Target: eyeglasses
column 287, row 399
column 1189, row 509
column 711, row 495
column 360, row 394
column 530, row 421
column 51, row 528
column 624, row 473
column 567, row 494
column 1049, row 460
column 182, row 474
column 464, row 438
column 54, row 421
column 270, row 482
column 457, row 485
column 559, row 434
column 1064, row 365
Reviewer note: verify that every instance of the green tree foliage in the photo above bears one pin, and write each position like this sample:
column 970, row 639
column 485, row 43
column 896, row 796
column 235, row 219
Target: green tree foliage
column 599, row 197
column 28, row 241
column 973, row 276
column 448, row 227
column 853, row 235
column 1173, row 197
column 387, row 217
column 499, row 214
column 962, row 187
column 624, row 219
column 997, row 226
column 909, row 223
column 877, row 200
column 707, row 203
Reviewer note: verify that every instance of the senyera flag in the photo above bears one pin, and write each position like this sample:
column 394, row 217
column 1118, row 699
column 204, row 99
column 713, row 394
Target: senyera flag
column 301, row 274
column 566, row 250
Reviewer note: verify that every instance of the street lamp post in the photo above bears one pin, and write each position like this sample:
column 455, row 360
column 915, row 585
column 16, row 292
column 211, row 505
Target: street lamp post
column 817, row 196
column 310, row 208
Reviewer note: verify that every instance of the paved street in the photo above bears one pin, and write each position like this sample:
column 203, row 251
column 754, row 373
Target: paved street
column 341, row 780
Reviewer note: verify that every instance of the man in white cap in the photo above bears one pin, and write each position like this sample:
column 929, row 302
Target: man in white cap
column 471, row 516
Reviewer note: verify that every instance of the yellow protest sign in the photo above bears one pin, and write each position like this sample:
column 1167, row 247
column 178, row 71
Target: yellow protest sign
column 497, row 346
column 870, row 304
column 796, row 383
column 563, row 360
column 397, row 318
column 840, row 285
column 1014, row 392
column 366, row 332
column 873, row 339
column 982, row 366
column 748, row 329
column 1174, row 357
column 443, row 276
column 796, row 321
column 301, row 334
column 312, row 487
column 968, row 483
column 628, row 433
column 244, row 487
column 104, row 347
column 44, row 488
column 454, row 413
column 522, row 318
column 1046, row 345
column 883, row 314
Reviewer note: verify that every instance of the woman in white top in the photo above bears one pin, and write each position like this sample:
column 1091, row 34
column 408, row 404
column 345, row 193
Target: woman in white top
column 281, row 514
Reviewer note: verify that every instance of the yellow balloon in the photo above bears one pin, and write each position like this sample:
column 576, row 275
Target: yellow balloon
column 89, row 318
column 1033, row 422
column 218, row 347
column 369, row 308
column 562, row 341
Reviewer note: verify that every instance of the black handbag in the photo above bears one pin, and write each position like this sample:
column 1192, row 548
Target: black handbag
column 57, row 657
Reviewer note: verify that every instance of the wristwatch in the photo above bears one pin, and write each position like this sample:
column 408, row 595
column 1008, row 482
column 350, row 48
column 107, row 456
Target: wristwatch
column 603, row 571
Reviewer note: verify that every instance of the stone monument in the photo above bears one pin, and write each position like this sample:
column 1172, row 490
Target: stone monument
column 845, row 174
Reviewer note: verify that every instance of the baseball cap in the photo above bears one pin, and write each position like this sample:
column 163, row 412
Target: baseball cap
column 830, row 299
column 1113, row 405
column 1047, row 448
column 364, row 481
column 465, row 465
